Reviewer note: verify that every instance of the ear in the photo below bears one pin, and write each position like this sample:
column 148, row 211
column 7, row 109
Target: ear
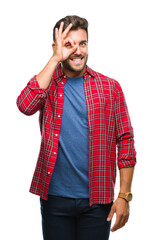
column 53, row 45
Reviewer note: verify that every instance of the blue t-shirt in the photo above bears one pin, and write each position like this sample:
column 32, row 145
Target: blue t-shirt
column 70, row 175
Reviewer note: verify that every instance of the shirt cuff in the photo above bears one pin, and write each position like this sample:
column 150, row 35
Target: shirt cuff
column 34, row 86
column 125, row 163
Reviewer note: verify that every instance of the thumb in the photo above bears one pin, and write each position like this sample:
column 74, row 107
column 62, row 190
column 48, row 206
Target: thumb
column 111, row 214
column 73, row 49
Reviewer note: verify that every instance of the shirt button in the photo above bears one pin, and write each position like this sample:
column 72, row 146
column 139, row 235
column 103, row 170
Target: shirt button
column 62, row 83
column 56, row 134
column 48, row 172
column 54, row 153
column 60, row 95
column 58, row 116
column 64, row 76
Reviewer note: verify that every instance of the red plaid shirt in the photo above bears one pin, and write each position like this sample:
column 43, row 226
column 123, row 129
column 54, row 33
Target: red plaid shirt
column 109, row 126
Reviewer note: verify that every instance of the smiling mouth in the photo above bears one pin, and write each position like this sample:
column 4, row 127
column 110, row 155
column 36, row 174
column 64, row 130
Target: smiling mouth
column 77, row 59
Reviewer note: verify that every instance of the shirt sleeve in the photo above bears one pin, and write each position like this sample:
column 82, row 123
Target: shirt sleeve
column 124, row 132
column 31, row 98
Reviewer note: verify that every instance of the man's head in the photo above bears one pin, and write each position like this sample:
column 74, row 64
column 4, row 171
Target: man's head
column 75, row 64
column 78, row 23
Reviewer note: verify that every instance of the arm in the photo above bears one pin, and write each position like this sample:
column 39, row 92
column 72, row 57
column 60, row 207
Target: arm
column 124, row 132
column 33, row 96
column 126, row 159
column 126, row 176
column 60, row 53
column 121, row 206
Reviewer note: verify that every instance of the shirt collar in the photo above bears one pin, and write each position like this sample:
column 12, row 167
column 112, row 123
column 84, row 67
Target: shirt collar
column 59, row 72
column 90, row 72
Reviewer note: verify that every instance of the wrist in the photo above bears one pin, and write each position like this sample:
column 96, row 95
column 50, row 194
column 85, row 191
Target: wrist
column 125, row 195
column 45, row 76
column 125, row 189
column 54, row 60
column 122, row 199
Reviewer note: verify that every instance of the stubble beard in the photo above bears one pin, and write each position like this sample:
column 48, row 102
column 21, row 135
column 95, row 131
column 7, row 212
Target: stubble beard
column 68, row 66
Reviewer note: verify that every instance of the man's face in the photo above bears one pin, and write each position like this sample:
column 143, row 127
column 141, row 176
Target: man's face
column 75, row 65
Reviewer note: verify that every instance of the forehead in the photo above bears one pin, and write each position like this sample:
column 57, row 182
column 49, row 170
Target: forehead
column 77, row 35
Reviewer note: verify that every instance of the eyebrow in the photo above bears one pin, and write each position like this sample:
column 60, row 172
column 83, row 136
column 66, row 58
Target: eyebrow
column 84, row 41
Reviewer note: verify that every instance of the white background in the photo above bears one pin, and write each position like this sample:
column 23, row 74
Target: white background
column 121, row 47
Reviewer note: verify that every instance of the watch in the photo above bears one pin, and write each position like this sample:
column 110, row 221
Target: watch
column 127, row 196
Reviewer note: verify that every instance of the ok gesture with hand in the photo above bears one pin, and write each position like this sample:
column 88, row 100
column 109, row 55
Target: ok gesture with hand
column 63, row 46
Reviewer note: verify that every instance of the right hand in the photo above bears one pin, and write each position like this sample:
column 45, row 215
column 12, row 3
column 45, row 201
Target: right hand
column 63, row 46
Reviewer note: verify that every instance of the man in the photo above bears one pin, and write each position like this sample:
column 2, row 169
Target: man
column 83, row 117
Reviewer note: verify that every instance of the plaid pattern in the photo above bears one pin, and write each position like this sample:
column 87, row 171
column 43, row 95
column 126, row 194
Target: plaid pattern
column 109, row 127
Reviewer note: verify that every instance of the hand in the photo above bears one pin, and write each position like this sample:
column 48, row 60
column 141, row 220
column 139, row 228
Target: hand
column 63, row 46
column 121, row 208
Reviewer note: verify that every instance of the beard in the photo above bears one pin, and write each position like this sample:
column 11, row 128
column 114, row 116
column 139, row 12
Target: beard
column 69, row 67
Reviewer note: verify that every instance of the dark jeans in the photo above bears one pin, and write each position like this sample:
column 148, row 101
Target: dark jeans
column 73, row 219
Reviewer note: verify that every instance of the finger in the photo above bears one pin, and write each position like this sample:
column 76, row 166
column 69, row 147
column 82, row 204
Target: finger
column 123, row 222
column 61, row 29
column 111, row 214
column 56, row 34
column 126, row 218
column 68, row 42
column 67, row 30
column 117, row 224
column 120, row 222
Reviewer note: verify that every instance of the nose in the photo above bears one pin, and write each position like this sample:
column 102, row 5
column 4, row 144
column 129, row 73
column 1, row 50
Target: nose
column 78, row 51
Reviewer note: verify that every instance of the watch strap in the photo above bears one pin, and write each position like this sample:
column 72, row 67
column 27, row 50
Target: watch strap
column 127, row 196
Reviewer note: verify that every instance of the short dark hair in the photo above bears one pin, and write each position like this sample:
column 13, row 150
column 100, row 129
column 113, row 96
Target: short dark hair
column 78, row 23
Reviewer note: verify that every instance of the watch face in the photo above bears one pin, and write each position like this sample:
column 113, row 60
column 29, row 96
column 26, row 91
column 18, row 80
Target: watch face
column 129, row 197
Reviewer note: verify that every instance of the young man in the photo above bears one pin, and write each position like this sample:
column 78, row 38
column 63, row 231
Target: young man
column 83, row 117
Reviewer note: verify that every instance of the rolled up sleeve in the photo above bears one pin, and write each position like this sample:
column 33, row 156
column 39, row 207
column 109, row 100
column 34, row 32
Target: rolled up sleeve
column 31, row 98
column 124, row 132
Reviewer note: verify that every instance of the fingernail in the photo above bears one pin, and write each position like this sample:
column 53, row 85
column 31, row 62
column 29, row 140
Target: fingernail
column 108, row 219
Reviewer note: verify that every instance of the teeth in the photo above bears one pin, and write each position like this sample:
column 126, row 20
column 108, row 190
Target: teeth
column 76, row 59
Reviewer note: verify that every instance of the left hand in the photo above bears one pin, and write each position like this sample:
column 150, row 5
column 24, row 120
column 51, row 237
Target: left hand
column 121, row 208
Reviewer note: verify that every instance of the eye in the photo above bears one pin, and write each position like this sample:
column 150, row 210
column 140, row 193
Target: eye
column 68, row 44
column 83, row 43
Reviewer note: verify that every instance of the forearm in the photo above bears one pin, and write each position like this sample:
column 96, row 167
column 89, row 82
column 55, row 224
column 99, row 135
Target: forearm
column 120, row 206
column 126, row 176
column 34, row 94
column 44, row 77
